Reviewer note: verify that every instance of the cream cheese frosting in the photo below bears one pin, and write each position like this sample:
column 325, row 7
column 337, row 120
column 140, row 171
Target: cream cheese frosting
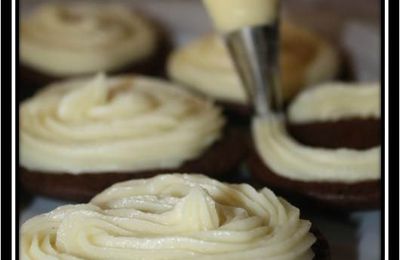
column 172, row 217
column 75, row 39
column 231, row 15
column 290, row 159
column 327, row 102
column 334, row 101
column 205, row 65
column 125, row 123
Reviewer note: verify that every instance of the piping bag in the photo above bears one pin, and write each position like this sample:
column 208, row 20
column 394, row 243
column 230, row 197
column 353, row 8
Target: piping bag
column 250, row 29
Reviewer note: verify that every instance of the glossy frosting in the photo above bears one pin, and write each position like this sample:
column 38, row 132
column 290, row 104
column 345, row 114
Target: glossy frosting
column 231, row 15
column 126, row 123
column 336, row 100
column 205, row 65
column 172, row 217
column 63, row 40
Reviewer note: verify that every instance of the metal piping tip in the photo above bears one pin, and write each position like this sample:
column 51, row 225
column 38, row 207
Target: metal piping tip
column 255, row 51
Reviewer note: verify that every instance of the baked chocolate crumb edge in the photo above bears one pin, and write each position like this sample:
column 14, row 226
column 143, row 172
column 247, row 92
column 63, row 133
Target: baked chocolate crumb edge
column 353, row 133
column 321, row 247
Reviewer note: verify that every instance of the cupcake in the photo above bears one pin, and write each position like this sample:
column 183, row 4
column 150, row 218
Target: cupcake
column 174, row 217
column 205, row 66
column 81, row 135
column 59, row 41
column 338, row 169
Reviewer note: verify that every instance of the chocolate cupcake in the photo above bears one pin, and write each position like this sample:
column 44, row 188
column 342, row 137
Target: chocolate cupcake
column 59, row 41
column 205, row 66
column 174, row 217
column 79, row 136
column 344, row 176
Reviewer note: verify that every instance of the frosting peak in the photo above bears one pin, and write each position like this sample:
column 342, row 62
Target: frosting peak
column 78, row 103
column 198, row 210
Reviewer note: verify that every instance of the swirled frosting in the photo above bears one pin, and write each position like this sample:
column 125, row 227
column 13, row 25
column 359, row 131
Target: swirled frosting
column 336, row 100
column 63, row 40
column 327, row 102
column 290, row 159
column 172, row 217
column 126, row 123
column 204, row 65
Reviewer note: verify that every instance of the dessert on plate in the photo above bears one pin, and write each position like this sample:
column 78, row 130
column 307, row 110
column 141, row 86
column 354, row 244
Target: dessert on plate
column 204, row 65
column 64, row 40
column 324, row 163
column 174, row 216
column 78, row 136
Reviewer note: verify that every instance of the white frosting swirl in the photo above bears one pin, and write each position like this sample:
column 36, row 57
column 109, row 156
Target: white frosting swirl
column 73, row 39
column 327, row 102
column 205, row 65
column 288, row 158
column 172, row 217
column 336, row 100
column 118, row 124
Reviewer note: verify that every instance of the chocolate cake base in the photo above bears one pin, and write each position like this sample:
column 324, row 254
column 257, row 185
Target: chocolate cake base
column 352, row 133
column 221, row 158
column 31, row 80
column 236, row 113
column 337, row 195
column 321, row 246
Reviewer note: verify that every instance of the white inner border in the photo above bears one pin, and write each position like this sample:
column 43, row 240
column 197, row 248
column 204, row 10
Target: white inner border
column 13, row 125
column 386, row 108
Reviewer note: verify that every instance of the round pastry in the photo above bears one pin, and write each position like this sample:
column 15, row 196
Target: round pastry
column 58, row 41
column 347, row 176
column 174, row 217
column 79, row 136
column 205, row 66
